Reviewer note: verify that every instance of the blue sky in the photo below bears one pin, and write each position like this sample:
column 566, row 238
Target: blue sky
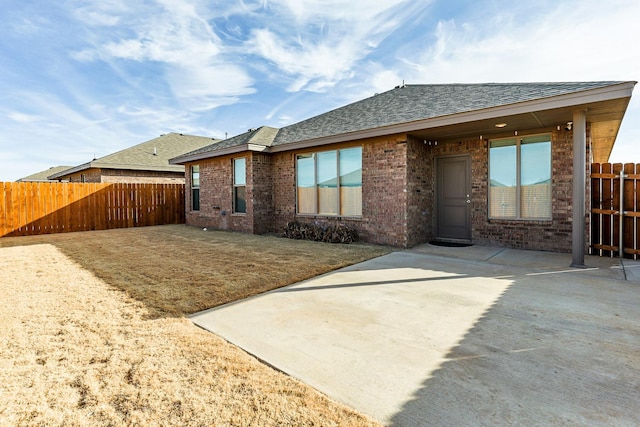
column 85, row 78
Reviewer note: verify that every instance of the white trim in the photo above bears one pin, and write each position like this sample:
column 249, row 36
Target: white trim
column 235, row 186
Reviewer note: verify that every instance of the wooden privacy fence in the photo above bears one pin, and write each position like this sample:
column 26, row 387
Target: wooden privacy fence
column 615, row 209
column 30, row 208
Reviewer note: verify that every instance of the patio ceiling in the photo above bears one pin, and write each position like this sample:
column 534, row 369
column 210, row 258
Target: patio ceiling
column 605, row 118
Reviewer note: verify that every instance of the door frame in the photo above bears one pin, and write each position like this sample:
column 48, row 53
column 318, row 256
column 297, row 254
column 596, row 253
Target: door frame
column 468, row 225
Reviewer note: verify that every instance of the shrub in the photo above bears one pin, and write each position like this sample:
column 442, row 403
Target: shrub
column 338, row 233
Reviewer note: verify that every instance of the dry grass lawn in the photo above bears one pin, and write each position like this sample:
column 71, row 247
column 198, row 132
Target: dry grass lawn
column 94, row 333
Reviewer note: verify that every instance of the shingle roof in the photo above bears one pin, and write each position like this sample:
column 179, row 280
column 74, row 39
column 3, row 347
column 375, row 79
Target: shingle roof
column 42, row 175
column 150, row 155
column 409, row 103
column 404, row 107
column 262, row 136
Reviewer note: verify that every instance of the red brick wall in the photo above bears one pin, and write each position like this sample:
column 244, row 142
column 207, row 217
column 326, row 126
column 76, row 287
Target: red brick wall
column 216, row 196
column 91, row 175
column 384, row 195
column 260, row 193
column 284, row 190
column 399, row 194
column 384, row 177
column 552, row 235
column 420, row 192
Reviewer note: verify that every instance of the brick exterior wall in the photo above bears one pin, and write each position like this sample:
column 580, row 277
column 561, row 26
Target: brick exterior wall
column 552, row 235
column 384, row 179
column 421, row 190
column 284, row 189
column 91, row 175
column 384, row 191
column 399, row 194
column 216, row 195
column 260, row 206
column 128, row 176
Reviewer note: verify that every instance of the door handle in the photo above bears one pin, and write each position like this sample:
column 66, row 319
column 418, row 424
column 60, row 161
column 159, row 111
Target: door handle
column 468, row 201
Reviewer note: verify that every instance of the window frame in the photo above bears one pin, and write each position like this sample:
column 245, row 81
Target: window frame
column 237, row 186
column 338, row 189
column 518, row 202
column 194, row 188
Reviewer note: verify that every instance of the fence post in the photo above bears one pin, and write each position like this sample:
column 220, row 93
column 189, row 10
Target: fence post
column 621, row 219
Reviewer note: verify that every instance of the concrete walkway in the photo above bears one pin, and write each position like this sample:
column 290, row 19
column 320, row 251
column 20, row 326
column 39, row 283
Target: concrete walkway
column 457, row 336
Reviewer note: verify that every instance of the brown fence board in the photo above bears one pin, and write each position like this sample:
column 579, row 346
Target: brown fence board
column 29, row 208
column 4, row 223
column 607, row 211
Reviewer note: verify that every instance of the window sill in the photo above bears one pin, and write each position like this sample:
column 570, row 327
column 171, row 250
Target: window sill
column 512, row 220
column 331, row 217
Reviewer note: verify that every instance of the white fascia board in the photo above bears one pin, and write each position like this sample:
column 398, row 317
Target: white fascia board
column 257, row 147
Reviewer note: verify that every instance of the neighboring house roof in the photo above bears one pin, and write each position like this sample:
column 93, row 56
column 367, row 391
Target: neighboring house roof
column 42, row 175
column 457, row 110
column 254, row 139
column 152, row 155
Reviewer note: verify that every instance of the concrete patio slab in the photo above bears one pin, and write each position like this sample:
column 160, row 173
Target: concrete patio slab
column 486, row 337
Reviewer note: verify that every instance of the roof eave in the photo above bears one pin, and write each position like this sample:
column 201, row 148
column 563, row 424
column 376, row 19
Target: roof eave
column 163, row 168
column 95, row 165
column 70, row 171
column 189, row 158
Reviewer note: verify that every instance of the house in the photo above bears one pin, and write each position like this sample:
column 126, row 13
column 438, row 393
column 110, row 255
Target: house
column 147, row 162
column 494, row 164
column 42, row 176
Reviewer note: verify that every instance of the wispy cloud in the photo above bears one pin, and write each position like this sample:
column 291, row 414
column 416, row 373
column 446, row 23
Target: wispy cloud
column 22, row 118
column 326, row 40
column 571, row 41
column 105, row 13
column 177, row 36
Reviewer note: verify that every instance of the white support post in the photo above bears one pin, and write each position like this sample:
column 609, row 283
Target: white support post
column 579, row 187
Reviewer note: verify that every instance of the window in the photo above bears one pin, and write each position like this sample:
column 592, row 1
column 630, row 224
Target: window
column 327, row 182
column 195, row 188
column 239, row 186
column 330, row 182
column 83, row 178
column 520, row 178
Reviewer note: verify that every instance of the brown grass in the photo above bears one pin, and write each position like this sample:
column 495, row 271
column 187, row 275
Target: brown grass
column 93, row 331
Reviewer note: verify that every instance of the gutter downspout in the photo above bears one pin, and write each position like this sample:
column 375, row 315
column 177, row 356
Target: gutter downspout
column 579, row 189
